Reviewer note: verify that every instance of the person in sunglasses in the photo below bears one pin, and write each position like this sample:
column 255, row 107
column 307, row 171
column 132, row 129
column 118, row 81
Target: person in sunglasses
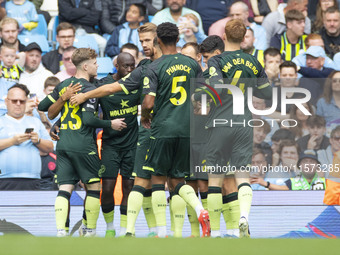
column 21, row 137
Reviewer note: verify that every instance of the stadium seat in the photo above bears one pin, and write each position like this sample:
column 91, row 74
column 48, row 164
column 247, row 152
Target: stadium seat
column 86, row 41
column 54, row 30
column 41, row 40
column 105, row 66
column 41, row 29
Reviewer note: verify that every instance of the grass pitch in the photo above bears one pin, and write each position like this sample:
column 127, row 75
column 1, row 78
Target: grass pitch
column 27, row 245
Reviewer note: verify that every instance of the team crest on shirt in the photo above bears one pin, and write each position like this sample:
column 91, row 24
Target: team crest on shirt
column 92, row 100
column 212, row 71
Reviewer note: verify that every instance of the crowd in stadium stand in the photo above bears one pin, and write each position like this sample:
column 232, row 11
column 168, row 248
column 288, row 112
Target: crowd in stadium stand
column 297, row 42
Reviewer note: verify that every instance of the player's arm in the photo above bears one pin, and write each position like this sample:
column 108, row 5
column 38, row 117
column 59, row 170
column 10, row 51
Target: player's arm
column 147, row 107
column 263, row 89
column 58, row 105
column 128, row 83
column 150, row 83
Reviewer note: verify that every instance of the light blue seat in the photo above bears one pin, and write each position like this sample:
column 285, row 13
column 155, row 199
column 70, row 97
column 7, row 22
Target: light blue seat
column 105, row 66
column 86, row 41
column 41, row 40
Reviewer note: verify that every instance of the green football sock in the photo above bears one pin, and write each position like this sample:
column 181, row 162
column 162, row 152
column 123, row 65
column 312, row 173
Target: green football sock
column 135, row 201
column 204, row 197
column 108, row 213
column 159, row 204
column 188, row 194
column 92, row 208
column 245, row 197
column 178, row 209
column 61, row 208
column 148, row 211
column 195, row 225
column 231, row 210
column 215, row 207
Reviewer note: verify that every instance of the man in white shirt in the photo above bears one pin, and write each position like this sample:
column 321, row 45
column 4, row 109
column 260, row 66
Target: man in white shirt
column 35, row 74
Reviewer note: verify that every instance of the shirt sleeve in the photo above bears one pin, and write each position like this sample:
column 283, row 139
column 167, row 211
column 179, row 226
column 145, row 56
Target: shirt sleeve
column 49, row 100
column 150, row 83
column 131, row 81
column 262, row 87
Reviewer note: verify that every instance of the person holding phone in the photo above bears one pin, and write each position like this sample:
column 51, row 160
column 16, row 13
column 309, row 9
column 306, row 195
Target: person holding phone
column 22, row 138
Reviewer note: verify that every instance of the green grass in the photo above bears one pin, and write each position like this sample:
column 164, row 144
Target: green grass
column 25, row 245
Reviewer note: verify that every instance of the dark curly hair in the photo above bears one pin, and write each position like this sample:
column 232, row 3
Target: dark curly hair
column 168, row 33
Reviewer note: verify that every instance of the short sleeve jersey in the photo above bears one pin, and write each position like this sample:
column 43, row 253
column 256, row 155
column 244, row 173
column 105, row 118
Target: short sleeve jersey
column 74, row 135
column 120, row 105
column 168, row 79
column 241, row 70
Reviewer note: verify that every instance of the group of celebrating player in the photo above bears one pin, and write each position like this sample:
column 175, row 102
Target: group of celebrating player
column 158, row 151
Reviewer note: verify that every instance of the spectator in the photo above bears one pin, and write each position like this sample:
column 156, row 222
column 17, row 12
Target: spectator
column 275, row 22
column 2, row 9
column 239, row 10
column 191, row 49
column 315, row 140
column 260, row 133
column 315, row 59
column 85, row 16
column 114, row 11
column 322, row 6
column 213, row 45
column 70, row 68
column 49, row 85
column 248, row 46
column 277, row 138
column 24, row 12
column 210, row 11
column 291, row 41
column 188, row 29
column 289, row 156
column 272, row 60
column 296, row 114
column 35, row 74
column 4, row 86
column 21, row 137
column 308, row 178
column 132, row 49
column 261, row 8
column 10, row 70
column 65, row 37
column 259, row 165
column 127, row 32
column 330, row 32
column 9, row 30
column 173, row 12
column 326, row 156
column 313, row 40
column 328, row 105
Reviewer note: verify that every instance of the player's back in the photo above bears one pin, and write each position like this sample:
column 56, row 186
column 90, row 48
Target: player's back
column 238, row 69
column 74, row 135
column 168, row 78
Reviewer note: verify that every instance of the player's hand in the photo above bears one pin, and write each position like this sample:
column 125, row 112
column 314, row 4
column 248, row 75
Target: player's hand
column 54, row 131
column 312, row 142
column 77, row 99
column 118, row 124
column 71, row 90
column 146, row 122
column 20, row 138
column 34, row 137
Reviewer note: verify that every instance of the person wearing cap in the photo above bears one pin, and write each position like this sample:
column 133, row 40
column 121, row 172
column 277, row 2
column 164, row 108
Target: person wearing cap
column 315, row 40
column 34, row 74
column 308, row 179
